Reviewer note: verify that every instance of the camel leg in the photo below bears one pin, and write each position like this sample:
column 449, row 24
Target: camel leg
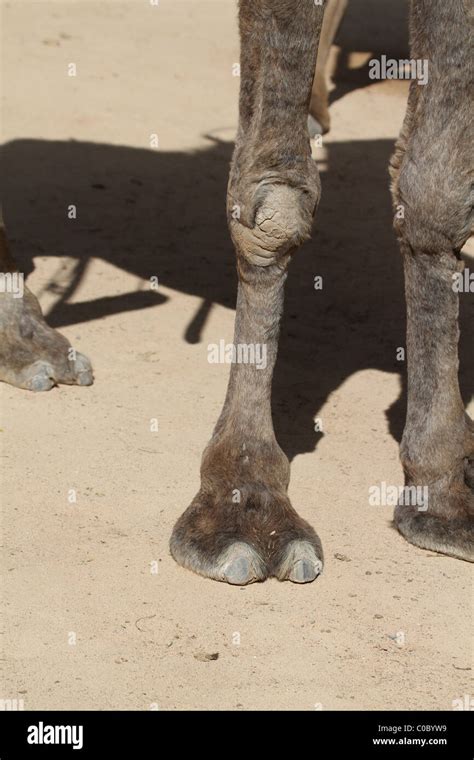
column 33, row 356
column 241, row 526
column 432, row 189
column 319, row 119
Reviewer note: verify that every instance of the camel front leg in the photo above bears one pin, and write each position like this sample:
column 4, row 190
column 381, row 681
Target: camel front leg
column 433, row 182
column 241, row 526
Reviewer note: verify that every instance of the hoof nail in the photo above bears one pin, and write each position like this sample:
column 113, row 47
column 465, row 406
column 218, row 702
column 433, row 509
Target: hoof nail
column 301, row 563
column 85, row 378
column 241, row 565
column 42, row 379
column 83, row 370
column 304, row 571
column 239, row 572
column 41, row 384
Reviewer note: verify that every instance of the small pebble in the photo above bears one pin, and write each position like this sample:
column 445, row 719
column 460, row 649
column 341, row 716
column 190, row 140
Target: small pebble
column 206, row 656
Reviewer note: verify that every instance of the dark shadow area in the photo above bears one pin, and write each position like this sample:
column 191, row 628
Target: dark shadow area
column 369, row 36
column 155, row 213
column 379, row 26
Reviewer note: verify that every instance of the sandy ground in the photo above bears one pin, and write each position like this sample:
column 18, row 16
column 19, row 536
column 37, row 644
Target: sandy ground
column 97, row 614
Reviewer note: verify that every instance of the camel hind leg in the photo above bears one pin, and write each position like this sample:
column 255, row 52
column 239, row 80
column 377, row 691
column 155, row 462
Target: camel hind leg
column 319, row 119
column 33, row 356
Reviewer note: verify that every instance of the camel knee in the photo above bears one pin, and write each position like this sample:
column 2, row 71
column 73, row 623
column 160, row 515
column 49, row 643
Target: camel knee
column 275, row 223
column 433, row 206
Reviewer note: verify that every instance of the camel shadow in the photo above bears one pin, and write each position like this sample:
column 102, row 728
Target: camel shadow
column 372, row 37
column 161, row 214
